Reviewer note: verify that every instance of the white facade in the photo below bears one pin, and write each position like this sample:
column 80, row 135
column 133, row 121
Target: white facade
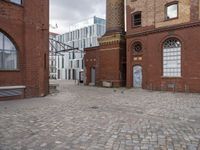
column 81, row 35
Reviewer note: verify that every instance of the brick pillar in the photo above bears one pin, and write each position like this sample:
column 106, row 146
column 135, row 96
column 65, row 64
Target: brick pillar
column 112, row 51
column 115, row 15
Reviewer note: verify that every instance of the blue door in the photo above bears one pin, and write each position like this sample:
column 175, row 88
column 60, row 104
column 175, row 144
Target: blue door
column 137, row 76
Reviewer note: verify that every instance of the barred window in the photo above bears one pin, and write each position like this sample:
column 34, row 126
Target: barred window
column 8, row 54
column 172, row 58
column 136, row 19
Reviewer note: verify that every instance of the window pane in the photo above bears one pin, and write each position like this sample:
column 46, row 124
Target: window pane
column 172, row 11
column 16, row 1
column 1, row 59
column 10, row 61
column 137, row 19
column 172, row 58
column 1, row 40
column 8, row 54
column 8, row 44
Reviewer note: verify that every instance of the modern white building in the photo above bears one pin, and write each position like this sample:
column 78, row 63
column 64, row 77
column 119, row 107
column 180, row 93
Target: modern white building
column 81, row 35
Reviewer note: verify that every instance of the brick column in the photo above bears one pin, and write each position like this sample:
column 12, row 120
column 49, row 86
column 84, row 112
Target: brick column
column 115, row 15
column 112, row 50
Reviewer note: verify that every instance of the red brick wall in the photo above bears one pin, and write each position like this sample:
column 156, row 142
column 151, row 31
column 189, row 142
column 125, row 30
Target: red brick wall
column 194, row 15
column 109, row 63
column 91, row 60
column 28, row 29
column 152, row 59
column 152, row 34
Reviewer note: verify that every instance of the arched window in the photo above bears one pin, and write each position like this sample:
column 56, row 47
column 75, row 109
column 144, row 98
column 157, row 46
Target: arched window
column 8, row 53
column 172, row 58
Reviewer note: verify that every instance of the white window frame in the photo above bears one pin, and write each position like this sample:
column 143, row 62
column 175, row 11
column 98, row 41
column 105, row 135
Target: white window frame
column 12, row 55
column 172, row 58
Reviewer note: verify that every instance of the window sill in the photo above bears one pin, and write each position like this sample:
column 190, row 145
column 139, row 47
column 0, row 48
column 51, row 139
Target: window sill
column 138, row 26
column 165, row 77
column 170, row 19
column 17, row 70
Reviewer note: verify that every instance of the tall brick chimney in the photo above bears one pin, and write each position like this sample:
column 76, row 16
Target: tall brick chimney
column 115, row 15
column 112, row 51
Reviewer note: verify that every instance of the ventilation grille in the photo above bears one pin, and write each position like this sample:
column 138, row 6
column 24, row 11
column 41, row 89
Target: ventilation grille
column 11, row 92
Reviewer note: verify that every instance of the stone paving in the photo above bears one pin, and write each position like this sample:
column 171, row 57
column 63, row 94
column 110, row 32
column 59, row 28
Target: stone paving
column 91, row 118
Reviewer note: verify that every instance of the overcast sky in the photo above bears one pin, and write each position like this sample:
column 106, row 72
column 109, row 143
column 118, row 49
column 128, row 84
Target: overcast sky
column 66, row 12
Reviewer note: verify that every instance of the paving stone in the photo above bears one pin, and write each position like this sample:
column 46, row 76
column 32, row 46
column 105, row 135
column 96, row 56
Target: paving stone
column 137, row 119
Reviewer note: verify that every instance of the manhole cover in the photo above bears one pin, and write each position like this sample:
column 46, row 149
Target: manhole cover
column 139, row 112
column 94, row 107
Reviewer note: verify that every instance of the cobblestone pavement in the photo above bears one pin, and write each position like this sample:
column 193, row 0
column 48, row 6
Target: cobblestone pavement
column 92, row 118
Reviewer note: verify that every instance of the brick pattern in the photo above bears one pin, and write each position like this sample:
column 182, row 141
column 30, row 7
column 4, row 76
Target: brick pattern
column 194, row 15
column 152, row 34
column 115, row 15
column 153, row 12
column 152, row 60
column 29, row 31
column 111, row 52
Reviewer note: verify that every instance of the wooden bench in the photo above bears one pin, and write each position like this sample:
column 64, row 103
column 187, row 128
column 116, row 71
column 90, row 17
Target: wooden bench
column 10, row 91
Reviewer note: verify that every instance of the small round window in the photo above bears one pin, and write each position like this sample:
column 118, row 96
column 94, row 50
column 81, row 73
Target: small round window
column 137, row 47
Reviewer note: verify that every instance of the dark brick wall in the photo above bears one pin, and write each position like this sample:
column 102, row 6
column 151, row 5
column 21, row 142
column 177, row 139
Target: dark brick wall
column 28, row 29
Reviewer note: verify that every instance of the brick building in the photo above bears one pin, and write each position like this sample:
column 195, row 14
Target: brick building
column 106, row 64
column 162, row 45
column 24, row 34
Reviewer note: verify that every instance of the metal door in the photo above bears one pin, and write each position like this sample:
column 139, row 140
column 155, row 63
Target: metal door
column 137, row 76
column 93, row 75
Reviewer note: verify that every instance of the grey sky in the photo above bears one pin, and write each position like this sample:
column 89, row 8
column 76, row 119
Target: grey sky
column 66, row 12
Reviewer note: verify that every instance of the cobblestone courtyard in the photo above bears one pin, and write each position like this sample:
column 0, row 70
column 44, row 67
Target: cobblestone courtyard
column 97, row 118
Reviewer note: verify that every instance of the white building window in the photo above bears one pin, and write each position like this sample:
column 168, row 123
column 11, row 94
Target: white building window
column 8, row 54
column 172, row 58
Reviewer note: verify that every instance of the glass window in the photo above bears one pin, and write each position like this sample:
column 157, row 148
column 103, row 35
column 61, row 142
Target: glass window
column 8, row 45
column 172, row 11
column 8, row 54
column 1, row 40
column 172, row 58
column 77, row 63
column 63, row 62
column 16, row 1
column 137, row 19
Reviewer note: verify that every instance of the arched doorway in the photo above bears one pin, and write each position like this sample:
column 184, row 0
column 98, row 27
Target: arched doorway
column 137, row 76
column 93, row 75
